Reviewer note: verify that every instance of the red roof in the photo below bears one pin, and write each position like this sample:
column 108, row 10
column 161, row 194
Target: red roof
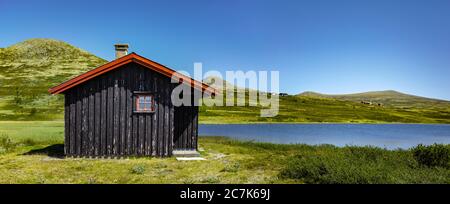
column 133, row 57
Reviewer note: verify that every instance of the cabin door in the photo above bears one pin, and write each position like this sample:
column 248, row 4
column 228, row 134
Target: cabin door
column 185, row 133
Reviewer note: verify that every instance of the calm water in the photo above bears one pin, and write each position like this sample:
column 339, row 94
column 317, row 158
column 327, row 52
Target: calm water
column 390, row 136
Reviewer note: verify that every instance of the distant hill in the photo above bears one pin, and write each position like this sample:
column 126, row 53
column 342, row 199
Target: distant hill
column 384, row 98
column 351, row 108
column 29, row 68
column 218, row 83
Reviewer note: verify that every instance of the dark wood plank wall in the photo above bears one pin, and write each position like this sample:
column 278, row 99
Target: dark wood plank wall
column 100, row 118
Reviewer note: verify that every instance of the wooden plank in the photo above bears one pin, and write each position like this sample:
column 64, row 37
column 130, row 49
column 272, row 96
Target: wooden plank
column 129, row 111
column 141, row 136
column 172, row 128
column 103, row 115
column 166, row 119
column 179, row 114
column 91, row 127
column 135, row 116
column 110, row 117
column 72, row 97
column 148, row 134
column 67, row 124
column 134, row 135
column 185, row 128
column 175, row 121
column 160, row 120
column 148, row 120
column 84, row 121
column 179, row 127
column 97, row 116
column 122, row 123
column 195, row 128
column 116, row 111
column 78, row 123
column 189, row 118
column 154, row 120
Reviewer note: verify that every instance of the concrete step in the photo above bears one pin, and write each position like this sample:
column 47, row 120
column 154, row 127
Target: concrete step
column 190, row 159
column 185, row 153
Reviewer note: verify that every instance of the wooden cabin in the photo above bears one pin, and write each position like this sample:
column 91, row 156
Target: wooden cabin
column 123, row 108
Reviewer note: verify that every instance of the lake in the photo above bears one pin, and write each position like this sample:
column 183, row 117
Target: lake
column 390, row 136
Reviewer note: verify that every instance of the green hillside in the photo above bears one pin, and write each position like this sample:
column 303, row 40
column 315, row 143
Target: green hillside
column 308, row 109
column 312, row 107
column 29, row 68
column 385, row 98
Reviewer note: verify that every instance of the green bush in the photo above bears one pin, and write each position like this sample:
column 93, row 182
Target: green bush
column 6, row 144
column 329, row 170
column 138, row 169
column 211, row 180
column 233, row 167
column 360, row 165
column 436, row 155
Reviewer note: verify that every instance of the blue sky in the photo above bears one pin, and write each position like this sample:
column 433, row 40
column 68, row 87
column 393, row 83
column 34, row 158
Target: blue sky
column 324, row 46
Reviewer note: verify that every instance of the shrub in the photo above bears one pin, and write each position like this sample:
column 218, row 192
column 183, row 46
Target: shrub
column 348, row 165
column 6, row 144
column 368, row 153
column 33, row 112
column 343, row 169
column 211, row 179
column 234, row 167
column 310, row 169
column 436, row 155
column 138, row 169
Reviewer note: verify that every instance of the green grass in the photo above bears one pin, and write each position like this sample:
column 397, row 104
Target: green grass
column 45, row 132
column 228, row 161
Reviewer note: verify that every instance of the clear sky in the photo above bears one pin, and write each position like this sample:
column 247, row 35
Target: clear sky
column 325, row 46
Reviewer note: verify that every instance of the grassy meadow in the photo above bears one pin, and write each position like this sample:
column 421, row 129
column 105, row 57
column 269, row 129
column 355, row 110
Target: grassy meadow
column 31, row 152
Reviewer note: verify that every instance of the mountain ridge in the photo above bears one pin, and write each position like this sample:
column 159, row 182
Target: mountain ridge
column 382, row 92
column 386, row 97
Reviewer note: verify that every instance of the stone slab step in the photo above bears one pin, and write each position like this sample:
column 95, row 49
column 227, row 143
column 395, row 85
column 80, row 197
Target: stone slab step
column 190, row 158
column 185, row 153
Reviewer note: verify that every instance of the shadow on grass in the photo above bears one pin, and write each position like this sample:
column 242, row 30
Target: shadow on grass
column 56, row 151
